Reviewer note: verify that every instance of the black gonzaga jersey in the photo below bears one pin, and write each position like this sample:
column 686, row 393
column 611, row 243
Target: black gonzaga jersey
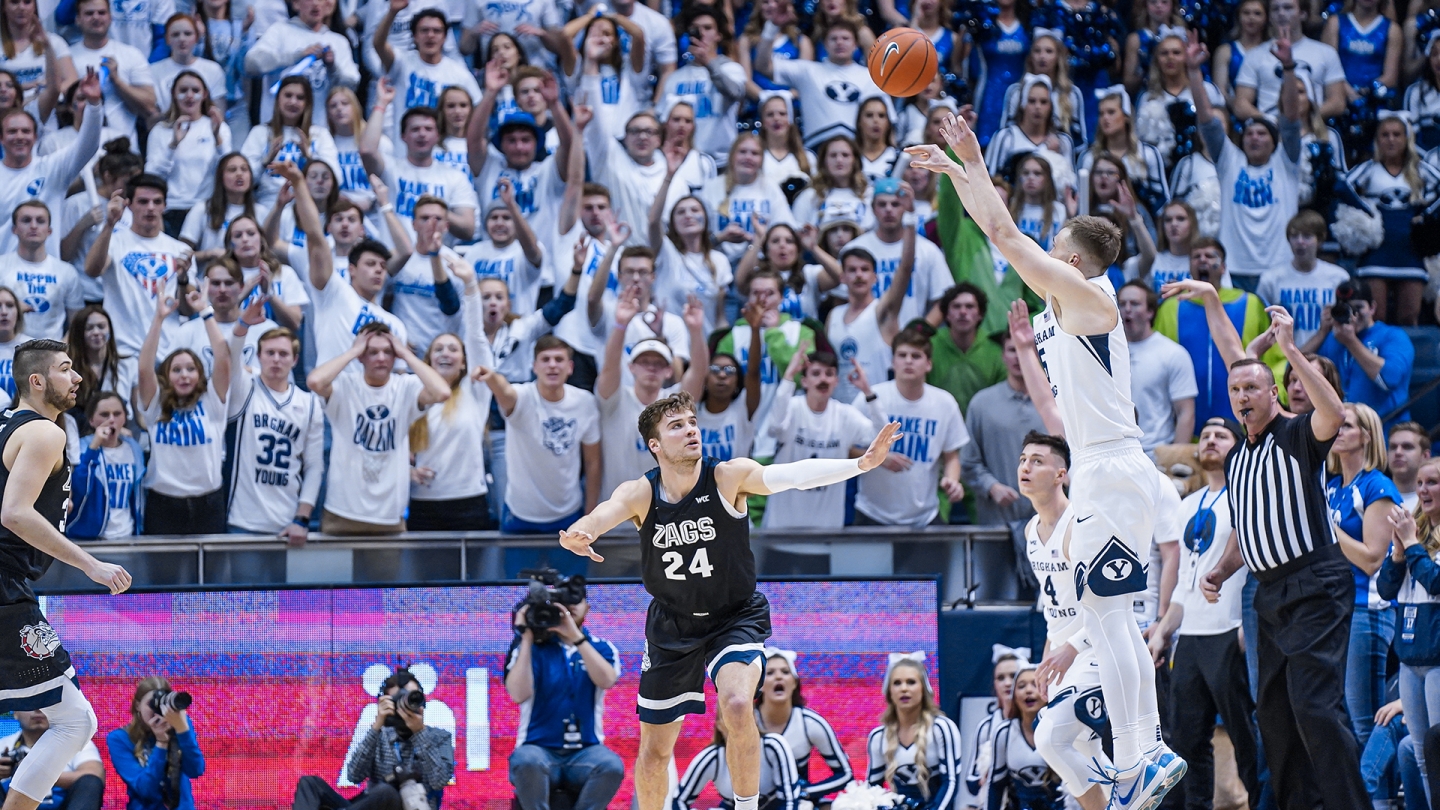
column 18, row 559
column 695, row 555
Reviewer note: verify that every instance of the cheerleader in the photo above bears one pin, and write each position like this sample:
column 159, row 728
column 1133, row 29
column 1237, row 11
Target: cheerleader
column 779, row 780
column 1115, row 135
column 875, row 138
column 778, row 248
column 1019, row 775
column 915, row 751
column 1169, row 82
column 1422, row 99
column 1400, row 186
column 1414, row 41
column 1252, row 29
column 1005, row 662
column 1035, row 128
column 997, row 61
column 785, row 154
column 346, row 120
column 791, row 44
column 598, row 70
column 290, row 137
column 741, row 196
column 1035, row 206
column 780, row 709
column 1049, row 58
column 930, row 17
column 1369, row 44
column 839, row 180
column 1152, row 20
column 1410, row 577
column 185, row 147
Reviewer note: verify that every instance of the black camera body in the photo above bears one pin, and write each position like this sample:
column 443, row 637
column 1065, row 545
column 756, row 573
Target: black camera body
column 548, row 591
column 1341, row 312
column 17, row 756
column 166, row 700
column 411, row 699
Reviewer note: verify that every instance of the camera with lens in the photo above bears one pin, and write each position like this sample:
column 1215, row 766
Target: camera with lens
column 412, row 788
column 166, row 700
column 1341, row 312
column 413, row 700
column 548, row 591
column 17, row 756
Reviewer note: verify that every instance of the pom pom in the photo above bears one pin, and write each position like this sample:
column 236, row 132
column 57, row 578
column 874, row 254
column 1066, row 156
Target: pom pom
column 1357, row 231
column 863, row 796
column 1205, row 199
column 1153, row 126
column 1060, row 169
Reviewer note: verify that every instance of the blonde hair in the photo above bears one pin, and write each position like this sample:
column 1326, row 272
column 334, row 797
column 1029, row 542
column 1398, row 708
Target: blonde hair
column 1155, row 82
column 1426, row 530
column 891, row 722
column 822, row 181
column 138, row 730
column 357, row 110
column 1369, row 421
column 1130, row 149
column 794, row 144
column 420, row 428
column 7, row 39
column 730, row 179
column 1060, row 81
column 1409, row 162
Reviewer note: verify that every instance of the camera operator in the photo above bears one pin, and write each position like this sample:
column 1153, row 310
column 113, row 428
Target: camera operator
column 1374, row 358
column 81, row 785
column 558, row 673
column 406, row 762
column 156, row 755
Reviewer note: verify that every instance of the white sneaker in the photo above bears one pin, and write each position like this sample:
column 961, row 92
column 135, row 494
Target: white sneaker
column 1141, row 787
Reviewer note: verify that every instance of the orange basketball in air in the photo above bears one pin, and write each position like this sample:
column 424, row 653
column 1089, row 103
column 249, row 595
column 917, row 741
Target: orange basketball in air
column 902, row 62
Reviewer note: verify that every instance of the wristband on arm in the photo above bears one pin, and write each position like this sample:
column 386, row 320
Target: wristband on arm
column 809, row 473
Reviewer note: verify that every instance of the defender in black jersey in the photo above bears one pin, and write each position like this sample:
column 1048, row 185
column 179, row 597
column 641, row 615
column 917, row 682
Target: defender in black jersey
column 706, row 618
column 35, row 670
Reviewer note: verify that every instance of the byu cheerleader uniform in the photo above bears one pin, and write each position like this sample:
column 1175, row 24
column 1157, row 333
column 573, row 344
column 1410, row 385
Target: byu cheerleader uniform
column 779, row 780
column 942, row 755
column 1019, row 776
column 807, row 731
column 1422, row 101
column 998, row 63
column 1362, row 49
column 1390, row 195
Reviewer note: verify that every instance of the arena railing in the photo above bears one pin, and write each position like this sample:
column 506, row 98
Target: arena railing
column 977, row 563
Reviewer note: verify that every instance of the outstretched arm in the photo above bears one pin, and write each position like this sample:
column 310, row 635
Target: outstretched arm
column 746, row 476
column 1085, row 308
column 1222, row 331
column 630, row 501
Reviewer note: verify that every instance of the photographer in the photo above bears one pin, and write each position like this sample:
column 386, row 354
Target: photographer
column 81, row 785
column 406, row 762
column 1374, row 358
column 558, row 673
column 156, row 755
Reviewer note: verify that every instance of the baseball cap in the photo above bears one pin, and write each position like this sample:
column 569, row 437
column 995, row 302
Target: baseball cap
column 652, row 345
column 839, row 213
column 1227, row 423
column 519, row 118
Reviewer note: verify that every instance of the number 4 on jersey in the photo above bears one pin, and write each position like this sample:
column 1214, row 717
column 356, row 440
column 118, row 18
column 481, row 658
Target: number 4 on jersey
column 700, row 564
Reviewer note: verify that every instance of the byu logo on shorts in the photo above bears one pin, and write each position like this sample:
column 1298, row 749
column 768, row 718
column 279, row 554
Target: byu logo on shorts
column 1094, row 707
column 1120, row 572
column 39, row 640
column 1116, row 570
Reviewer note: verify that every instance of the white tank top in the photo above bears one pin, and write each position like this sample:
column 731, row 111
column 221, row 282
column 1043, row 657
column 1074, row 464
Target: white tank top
column 860, row 339
column 1057, row 581
column 1090, row 377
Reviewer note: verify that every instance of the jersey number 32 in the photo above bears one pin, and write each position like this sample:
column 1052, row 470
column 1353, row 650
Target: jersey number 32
column 699, row 564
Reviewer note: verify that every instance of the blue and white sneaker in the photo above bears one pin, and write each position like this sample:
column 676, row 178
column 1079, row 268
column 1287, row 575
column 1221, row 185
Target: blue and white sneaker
column 1171, row 764
column 1141, row 787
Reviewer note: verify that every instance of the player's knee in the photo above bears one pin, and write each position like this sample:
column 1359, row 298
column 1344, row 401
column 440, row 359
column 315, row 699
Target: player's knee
column 737, row 707
column 656, row 748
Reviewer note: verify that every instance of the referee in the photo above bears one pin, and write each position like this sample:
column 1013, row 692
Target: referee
column 1282, row 533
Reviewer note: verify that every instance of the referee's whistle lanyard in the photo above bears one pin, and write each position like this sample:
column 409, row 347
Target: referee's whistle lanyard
column 1200, row 532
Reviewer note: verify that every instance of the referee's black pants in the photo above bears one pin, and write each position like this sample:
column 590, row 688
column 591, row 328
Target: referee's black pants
column 1208, row 677
column 1304, row 622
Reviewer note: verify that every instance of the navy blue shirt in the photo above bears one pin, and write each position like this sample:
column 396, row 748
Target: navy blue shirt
column 1392, row 387
column 566, row 709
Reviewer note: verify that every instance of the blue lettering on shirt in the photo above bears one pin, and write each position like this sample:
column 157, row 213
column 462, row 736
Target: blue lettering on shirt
column 375, row 429
column 420, row 92
column 718, row 444
column 410, row 191
column 1254, row 191
column 885, row 277
column 610, row 90
column 119, row 478
column 1305, row 305
column 353, row 176
column 364, row 316
column 524, row 190
column 916, row 433
column 183, row 429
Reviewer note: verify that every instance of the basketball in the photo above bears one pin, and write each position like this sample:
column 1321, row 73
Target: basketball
column 902, row 62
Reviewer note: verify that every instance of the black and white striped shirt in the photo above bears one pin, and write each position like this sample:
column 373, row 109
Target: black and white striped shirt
column 1277, row 494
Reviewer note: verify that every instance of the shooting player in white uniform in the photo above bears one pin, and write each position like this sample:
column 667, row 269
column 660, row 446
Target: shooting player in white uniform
column 35, row 670
column 706, row 617
column 1069, row 728
column 1114, row 490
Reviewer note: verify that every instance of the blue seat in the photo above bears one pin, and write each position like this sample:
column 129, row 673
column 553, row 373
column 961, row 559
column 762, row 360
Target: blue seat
column 1426, row 340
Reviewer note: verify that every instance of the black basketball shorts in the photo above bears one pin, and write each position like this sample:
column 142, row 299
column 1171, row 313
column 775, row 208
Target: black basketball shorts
column 33, row 663
column 681, row 651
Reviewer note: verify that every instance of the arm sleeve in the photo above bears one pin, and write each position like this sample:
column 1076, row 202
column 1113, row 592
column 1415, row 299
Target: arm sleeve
column 159, row 160
column 557, row 307
column 787, row 775
column 1399, row 355
column 448, row 300
column 1214, row 134
column 1392, row 575
column 948, row 736
column 809, row 473
column 824, row 741
column 265, row 55
column 1422, row 568
column 192, row 761
column 875, row 756
column 729, row 78
column 142, row 781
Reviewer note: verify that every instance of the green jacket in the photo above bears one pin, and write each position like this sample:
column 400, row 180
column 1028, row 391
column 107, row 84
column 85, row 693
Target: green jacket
column 963, row 373
column 967, row 252
column 777, row 346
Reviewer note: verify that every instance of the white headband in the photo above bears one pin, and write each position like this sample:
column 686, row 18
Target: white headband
column 999, row 650
column 1027, row 82
column 766, row 95
column 1054, row 33
column 788, row 655
column 1166, row 31
column 917, row 658
column 1102, row 93
column 1430, row 40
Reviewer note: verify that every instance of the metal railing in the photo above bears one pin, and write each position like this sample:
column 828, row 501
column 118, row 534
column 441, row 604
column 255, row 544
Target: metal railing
column 977, row 563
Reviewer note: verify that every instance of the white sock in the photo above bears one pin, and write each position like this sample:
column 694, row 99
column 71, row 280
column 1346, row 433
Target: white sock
column 1110, row 623
column 747, row 802
column 1150, row 737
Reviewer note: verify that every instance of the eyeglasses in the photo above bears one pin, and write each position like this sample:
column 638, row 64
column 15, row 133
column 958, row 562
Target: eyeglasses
column 728, row 371
column 1105, row 173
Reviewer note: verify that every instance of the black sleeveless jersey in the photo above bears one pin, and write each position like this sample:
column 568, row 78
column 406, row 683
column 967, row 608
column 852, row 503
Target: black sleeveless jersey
column 695, row 556
column 18, row 559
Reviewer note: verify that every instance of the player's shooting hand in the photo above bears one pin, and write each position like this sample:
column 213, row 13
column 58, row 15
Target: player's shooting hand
column 933, row 158
column 578, row 542
column 1187, row 289
column 880, row 448
column 112, row 576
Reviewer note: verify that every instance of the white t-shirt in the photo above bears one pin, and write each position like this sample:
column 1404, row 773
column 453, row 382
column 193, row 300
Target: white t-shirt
column 408, row 183
column 1256, row 202
column 285, row 286
column 189, row 169
column 1032, row 222
column 509, row 263
column 196, row 228
column 513, row 346
column 1304, row 295
column 1169, row 528
column 419, row 83
column 256, row 149
column 187, row 450
column 1314, row 60
column 510, row 13
column 741, row 204
column 133, row 23
column 613, row 96
column 1160, row 373
column 340, row 314
column 810, row 208
column 929, row 279
column 29, row 67
column 727, row 434
column 119, row 483
column 678, row 275
column 1202, row 618
column 7, row 363
column 370, row 450
column 133, row 65
column 457, row 429
column 141, row 269
column 802, row 433
column 51, row 289
column 778, row 170
column 548, row 435
column 660, row 45
column 88, row 752
column 714, row 114
column 165, row 71
column 634, row 186
column 623, row 453
column 538, row 189
column 575, row 328
column 831, row 95
column 930, row 426
column 279, row 451
column 351, row 172
column 1168, row 267
column 47, row 178
column 191, row 335
column 417, row 304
